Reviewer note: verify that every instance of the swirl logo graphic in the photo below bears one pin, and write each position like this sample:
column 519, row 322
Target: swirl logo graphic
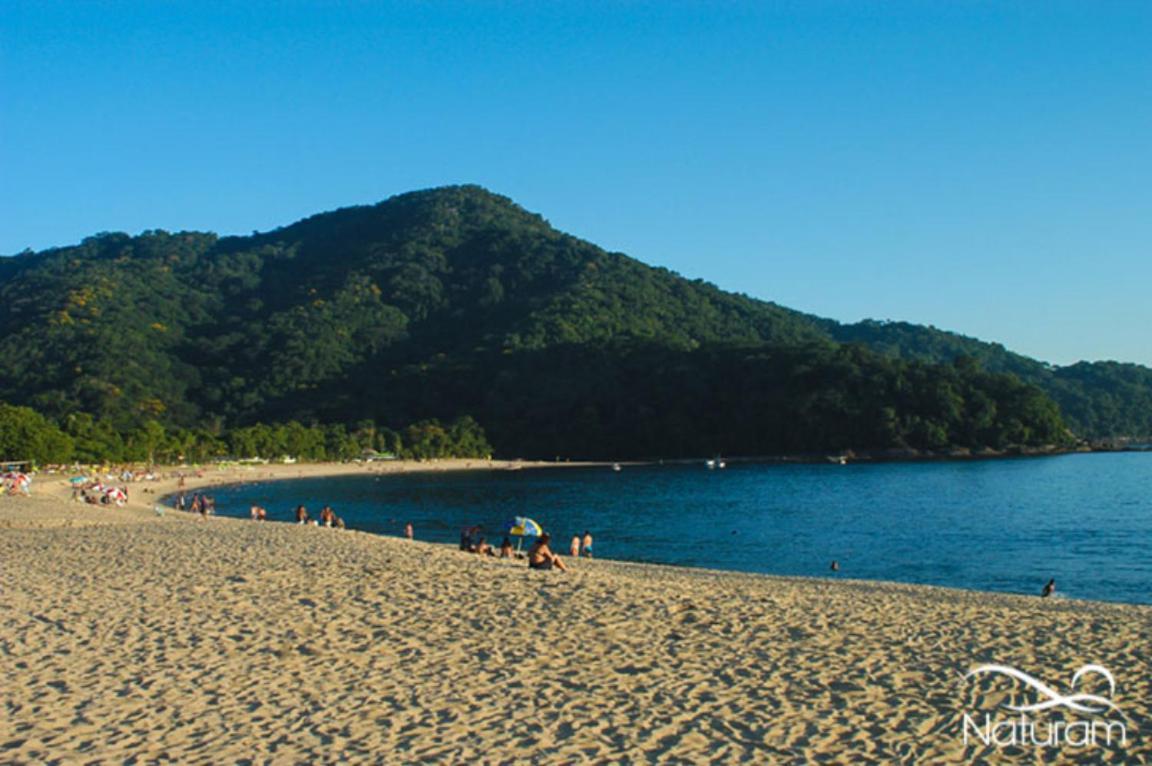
column 1078, row 701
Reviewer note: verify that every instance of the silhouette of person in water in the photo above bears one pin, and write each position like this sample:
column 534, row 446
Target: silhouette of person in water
column 1049, row 589
column 835, row 566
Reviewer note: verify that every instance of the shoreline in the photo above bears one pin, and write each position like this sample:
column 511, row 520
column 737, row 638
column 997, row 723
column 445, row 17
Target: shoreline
column 142, row 507
column 165, row 490
column 143, row 493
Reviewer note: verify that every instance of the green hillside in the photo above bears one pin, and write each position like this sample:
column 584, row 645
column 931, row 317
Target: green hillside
column 456, row 302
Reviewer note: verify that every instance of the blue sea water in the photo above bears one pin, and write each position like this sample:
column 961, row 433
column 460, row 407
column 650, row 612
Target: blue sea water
column 1000, row 525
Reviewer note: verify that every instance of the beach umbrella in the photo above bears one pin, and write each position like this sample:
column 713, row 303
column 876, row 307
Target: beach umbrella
column 78, row 480
column 522, row 527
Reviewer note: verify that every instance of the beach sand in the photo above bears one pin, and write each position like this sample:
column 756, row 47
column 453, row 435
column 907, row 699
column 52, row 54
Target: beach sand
column 130, row 636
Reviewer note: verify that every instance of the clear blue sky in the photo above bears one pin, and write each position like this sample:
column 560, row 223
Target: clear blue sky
column 985, row 167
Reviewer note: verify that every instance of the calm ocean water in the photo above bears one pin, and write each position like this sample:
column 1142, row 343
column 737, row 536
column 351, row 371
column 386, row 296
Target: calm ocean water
column 1003, row 525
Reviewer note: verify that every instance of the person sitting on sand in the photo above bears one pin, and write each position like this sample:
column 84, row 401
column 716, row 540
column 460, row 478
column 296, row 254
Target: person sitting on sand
column 540, row 556
column 408, row 532
column 574, row 548
column 506, row 549
column 301, row 515
column 483, row 548
column 587, row 543
column 327, row 516
column 1049, row 589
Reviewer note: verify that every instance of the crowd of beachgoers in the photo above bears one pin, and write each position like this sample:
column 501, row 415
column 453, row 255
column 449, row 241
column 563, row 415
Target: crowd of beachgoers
column 539, row 554
column 112, row 486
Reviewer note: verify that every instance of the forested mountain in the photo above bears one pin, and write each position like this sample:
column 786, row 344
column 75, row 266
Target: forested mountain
column 455, row 301
column 1097, row 399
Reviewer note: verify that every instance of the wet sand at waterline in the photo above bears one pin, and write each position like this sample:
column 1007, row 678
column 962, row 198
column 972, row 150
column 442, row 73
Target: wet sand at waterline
column 129, row 635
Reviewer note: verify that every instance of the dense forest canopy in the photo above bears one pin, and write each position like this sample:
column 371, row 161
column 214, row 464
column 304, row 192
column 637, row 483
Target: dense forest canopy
column 455, row 302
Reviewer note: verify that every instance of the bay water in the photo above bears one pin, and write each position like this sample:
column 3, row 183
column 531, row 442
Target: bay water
column 1001, row 525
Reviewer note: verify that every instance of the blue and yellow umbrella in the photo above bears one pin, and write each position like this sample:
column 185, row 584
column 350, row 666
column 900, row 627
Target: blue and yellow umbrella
column 522, row 526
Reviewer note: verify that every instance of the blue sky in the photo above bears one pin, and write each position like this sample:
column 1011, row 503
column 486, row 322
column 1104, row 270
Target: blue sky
column 980, row 166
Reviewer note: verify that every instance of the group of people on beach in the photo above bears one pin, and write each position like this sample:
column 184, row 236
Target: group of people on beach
column 204, row 505
column 581, row 545
column 539, row 555
column 472, row 540
column 328, row 518
column 95, row 493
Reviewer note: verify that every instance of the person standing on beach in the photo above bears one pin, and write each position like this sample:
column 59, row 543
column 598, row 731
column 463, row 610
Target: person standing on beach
column 408, row 532
column 574, row 548
column 587, row 544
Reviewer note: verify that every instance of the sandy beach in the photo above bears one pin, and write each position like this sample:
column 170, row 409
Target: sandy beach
column 131, row 637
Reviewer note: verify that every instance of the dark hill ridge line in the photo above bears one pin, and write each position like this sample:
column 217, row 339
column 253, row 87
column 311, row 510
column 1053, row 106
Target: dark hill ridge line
column 319, row 317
